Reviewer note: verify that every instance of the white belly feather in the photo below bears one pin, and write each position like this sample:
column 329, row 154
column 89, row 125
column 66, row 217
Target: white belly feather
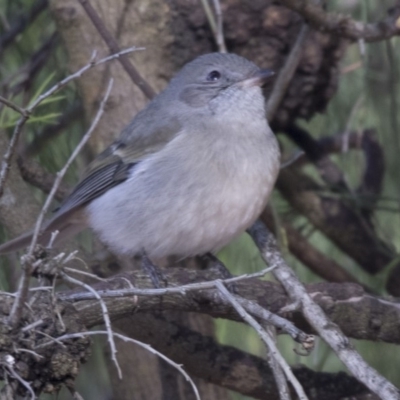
column 188, row 201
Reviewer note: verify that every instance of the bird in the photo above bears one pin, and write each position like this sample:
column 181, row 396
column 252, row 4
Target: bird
column 192, row 171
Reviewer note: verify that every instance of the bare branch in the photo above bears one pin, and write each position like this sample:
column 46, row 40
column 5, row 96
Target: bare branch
column 345, row 26
column 13, row 106
column 286, row 74
column 23, row 382
column 112, row 44
column 328, row 331
column 266, row 338
column 33, row 173
column 220, row 28
column 106, row 316
column 279, row 375
column 80, row 72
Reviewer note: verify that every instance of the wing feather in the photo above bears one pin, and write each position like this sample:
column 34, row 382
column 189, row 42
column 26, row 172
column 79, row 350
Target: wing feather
column 114, row 165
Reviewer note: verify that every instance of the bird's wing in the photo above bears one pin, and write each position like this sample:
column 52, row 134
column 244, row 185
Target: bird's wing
column 114, row 165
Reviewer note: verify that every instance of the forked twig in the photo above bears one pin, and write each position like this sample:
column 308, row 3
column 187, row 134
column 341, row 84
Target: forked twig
column 265, row 337
column 106, row 317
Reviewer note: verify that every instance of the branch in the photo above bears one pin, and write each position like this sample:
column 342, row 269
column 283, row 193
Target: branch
column 33, row 173
column 112, row 44
column 266, row 338
column 13, row 106
column 349, row 232
column 328, row 331
column 346, row 304
column 286, row 74
column 345, row 26
column 305, row 252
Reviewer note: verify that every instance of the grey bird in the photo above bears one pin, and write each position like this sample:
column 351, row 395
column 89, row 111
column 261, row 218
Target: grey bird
column 191, row 172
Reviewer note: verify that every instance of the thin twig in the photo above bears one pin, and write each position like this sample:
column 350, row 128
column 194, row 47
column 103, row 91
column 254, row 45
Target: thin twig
column 326, row 329
column 210, row 16
column 216, row 24
column 22, row 381
column 13, row 106
column 128, row 339
column 106, row 317
column 286, row 74
column 112, row 44
column 279, row 375
column 80, row 72
column 132, row 291
column 220, row 28
column 307, row 341
column 265, row 337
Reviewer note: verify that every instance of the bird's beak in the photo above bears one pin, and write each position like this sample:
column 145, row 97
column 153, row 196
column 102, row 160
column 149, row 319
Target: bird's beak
column 260, row 78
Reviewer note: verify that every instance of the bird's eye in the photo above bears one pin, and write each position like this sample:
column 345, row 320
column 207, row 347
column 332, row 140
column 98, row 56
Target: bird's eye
column 213, row 76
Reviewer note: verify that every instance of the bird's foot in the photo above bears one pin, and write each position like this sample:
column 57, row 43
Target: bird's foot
column 155, row 274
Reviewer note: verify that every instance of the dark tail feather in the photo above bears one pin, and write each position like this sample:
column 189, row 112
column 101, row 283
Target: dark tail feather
column 66, row 226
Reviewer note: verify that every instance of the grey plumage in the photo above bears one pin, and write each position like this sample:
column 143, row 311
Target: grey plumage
column 192, row 170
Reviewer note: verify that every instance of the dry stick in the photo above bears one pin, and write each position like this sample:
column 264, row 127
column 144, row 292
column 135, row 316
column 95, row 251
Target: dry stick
column 326, row 329
column 23, row 382
column 162, row 291
column 128, row 339
column 106, row 317
column 12, row 105
column 112, row 44
column 23, row 286
column 219, row 34
column 279, row 376
column 215, row 25
column 210, row 17
column 265, row 337
column 286, row 74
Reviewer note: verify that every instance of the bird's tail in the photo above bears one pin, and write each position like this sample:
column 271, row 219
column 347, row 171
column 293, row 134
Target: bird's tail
column 66, row 225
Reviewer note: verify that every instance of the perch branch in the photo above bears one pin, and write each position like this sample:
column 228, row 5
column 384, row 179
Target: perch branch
column 328, row 331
